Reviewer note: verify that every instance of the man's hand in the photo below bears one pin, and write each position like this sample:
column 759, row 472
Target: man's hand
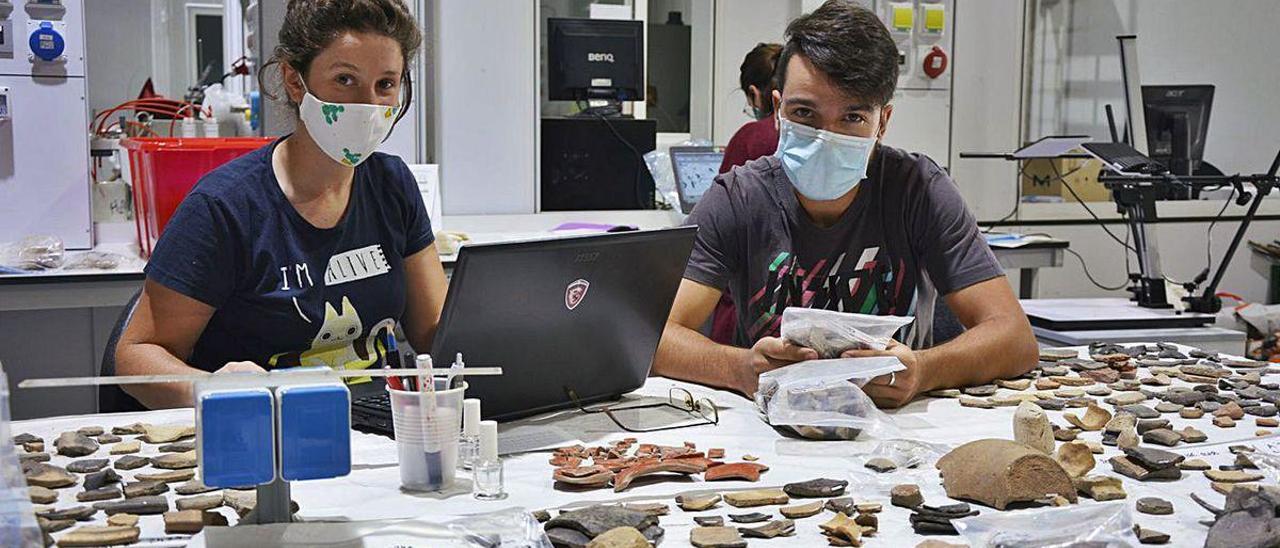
column 768, row 354
column 240, row 367
column 900, row 388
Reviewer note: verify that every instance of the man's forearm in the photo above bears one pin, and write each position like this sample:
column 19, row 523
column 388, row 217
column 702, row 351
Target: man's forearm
column 998, row 348
column 687, row 355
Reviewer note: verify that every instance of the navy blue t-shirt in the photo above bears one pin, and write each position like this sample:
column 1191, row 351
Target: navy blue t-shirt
column 285, row 292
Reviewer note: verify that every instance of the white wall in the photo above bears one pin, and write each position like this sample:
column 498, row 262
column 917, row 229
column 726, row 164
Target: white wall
column 740, row 25
column 118, row 34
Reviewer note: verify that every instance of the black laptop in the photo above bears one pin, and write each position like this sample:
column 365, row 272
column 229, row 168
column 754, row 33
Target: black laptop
column 570, row 320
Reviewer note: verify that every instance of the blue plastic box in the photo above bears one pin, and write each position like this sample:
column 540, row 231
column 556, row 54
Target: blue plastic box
column 315, row 431
column 236, row 437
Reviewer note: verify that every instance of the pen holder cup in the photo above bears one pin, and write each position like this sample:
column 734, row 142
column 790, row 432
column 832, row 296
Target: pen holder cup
column 427, row 443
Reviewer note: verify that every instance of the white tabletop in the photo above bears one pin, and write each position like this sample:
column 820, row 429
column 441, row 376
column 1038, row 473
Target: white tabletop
column 371, row 491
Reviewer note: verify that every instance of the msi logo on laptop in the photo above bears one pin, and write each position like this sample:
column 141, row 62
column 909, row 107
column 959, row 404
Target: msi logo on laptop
column 575, row 293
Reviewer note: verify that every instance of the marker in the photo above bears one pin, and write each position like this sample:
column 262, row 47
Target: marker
column 427, row 406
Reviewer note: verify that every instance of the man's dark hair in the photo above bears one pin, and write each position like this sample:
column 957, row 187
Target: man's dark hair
column 849, row 44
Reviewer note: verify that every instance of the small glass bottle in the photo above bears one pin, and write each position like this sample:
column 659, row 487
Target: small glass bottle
column 469, row 441
column 487, row 480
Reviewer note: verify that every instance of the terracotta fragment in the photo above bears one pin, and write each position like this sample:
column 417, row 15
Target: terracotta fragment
column 802, row 511
column 906, row 495
column 652, row 508
column 166, row 433
column 141, row 506
column 171, row 476
column 1094, row 419
column 144, row 489
column 746, row 471
column 48, row 475
column 1076, row 458
column 715, row 453
column 698, row 502
column 596, row 476
column 1031, row 427
column 756, row 497
column 1015, row 384
column 816, row 488
column 122, row 520
column 622, row 480
column 716, row 537
column 1232, row 476
column 999, row 472
column 773, row 529
column 1101, row 488
column 100, row 536
column 979, row 403
column 1223, row 422
column 620, row 537
column 753, row 517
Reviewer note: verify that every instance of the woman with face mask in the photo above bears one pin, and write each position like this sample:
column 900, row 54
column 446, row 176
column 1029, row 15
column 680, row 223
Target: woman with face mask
column 313, row 249
column 760, row 136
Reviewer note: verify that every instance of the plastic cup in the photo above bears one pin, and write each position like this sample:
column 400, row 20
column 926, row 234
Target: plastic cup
column 427, row 462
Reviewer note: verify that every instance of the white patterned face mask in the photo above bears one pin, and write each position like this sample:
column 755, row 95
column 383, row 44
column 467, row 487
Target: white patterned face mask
column 346, row 132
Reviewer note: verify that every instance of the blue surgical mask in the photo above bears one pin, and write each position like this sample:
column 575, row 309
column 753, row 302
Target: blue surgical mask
column 822, row 165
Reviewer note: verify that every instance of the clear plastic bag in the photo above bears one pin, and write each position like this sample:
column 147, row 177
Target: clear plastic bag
column 1107, row 525
column 831, row 333
column 94, row 260
column 823, row 399
column 512, row 528
column 34, row 253
column 659, row 163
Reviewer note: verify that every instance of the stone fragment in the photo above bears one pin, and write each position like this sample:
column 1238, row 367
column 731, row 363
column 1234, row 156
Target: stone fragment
column 1140, row 411
column 1066, row 380
column 107, row 439
column 42, row 495
column 944, row 393
column 709, row 521
column 99, row 494
column 1098, row 390
column 753, row 517
column 33, row 457
column 1101, row 488
column 651, row 508
column 1150, row 536
column 1043, row 383
column 978, row 403
column 687, row 502
column 842, row 505
column 1154, row 506
column 1191, row 413
column 980, row 391
column 1058, row 354
column 129, row 430
column 78, row 513
column 1191, row 435
column 868, row 508
column 48, row 475
column 166, row 433
column 75, row 444
column 1267, row 422
column 177, row 461
column 998, row 472
column 86, row 466
column 100, row 479
column 1166, row 407
column 170, row 476
column 25, row 438
column 881, row 464
column 99, row 536
column 906, row 495
column 716, row 537
column 802, row 511
column 1162, row 436
column 1076, row 458
column 144, row 489
column 1093, row 420
column 33, row 447
column 131, row 462
column 125, row 447
column 745, row 471
column 1232, row 476
column 756, row 497
column 53, row 526
column 620, row 537
column 122, row 520
column 1152, row 424
column 1152, row 458
column 190, row 522
column 591, row 521
column 178, row 447
column 816, row 488
column 1230, row 409
column 1126, row 398
column 1031, row 427
column 201, row 502
column 1194, row 465
column 1016, row 384
column 1065, row 434
column 193, row 487
column 1224, row 422
column 90, row 431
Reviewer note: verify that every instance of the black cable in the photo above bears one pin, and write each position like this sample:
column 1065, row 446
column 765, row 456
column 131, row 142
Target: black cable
column 1091, row 213
column 1208, row 241
column 1085, row 267
column 1017, row 202
column 640, row 165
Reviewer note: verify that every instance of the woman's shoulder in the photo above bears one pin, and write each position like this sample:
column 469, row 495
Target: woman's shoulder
column 238, row 178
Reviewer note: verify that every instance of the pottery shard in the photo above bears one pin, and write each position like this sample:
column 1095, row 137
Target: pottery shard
column 620, row 537
column 1191, row 435
column 1093, row 420
column 1154, row 506
column 87, row 465
column 100, row 479
column 1230, row 409
column 48, row 475
column 175, row 461
column 78, row 513
column 881, row 464
column 802, row 510
column 1129, row 467
column 1162, row 436
column 53, row 526
column 42, row 495
column 99, row 494
column 75, row 444
column 129, row 430
column 1014, row 384
column 977, row 403
column 166, row 433
column 122, row 520
column 756, row 497
column 1191, row 413
column 171, row 476
column 998, row 472
column 747, row 471
column 773, row 529
column 25, row 438
column 1058, row 354
column 1126, row 398
column 1150, row 536
column 651, row 508
column 1066, row 380
column 1223, row 422
column 125, row 447
column 1031, row 427
column 595, row 476
column 1076, row 458
column 695, row 503
column 1120, row 422
column 193, row 487
column 593, row 521
column 33, row 457
column 753, row 517
column 1232, row 476
column 91, row 430
column 144, row 489
column 1194, row 464
column 816, row 488
column 623, row 479
column 190, row 522
column 709, row 521
column 980, row 391
column 1101, row 488
column 1105, row 375
column 100, row 536
column 107, row 439
column 906, row 495
column 131, row 462
column 716, row 537
column 179, row 447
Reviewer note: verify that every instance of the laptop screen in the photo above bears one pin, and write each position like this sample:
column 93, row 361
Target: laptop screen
column 694, row 173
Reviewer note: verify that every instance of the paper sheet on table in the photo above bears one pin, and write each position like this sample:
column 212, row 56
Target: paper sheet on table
column 529, row 438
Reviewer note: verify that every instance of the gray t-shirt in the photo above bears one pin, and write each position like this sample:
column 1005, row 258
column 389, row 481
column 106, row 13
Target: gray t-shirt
column 906, row 238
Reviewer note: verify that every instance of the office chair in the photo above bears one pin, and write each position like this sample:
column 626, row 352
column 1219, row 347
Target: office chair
column 112, row 399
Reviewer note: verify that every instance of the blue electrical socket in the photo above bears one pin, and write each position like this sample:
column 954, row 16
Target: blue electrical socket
column 236, row 437
column 315, row 431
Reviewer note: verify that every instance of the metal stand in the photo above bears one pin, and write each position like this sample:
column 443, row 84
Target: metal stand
column 274, row 505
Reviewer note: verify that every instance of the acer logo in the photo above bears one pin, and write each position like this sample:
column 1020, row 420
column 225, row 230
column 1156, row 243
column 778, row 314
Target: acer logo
column 599, row 57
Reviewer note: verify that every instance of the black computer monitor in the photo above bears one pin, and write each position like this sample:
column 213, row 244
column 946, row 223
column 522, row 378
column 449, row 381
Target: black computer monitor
column 1177, row 123
column 595, row 59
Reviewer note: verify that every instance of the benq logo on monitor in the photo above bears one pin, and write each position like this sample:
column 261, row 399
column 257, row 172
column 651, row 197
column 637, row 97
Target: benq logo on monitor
column 599, row 57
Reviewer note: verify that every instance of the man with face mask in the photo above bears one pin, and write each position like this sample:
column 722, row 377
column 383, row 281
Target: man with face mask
column 838, row 221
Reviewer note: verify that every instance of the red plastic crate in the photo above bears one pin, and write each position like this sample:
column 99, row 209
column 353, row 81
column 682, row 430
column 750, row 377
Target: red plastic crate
column 165, row 169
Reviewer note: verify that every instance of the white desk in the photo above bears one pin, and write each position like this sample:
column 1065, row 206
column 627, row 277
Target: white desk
column 372, row 492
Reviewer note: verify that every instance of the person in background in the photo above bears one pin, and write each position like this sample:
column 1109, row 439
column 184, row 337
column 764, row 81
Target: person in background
column 313, row 249
column 838, row 221
column 753, row 140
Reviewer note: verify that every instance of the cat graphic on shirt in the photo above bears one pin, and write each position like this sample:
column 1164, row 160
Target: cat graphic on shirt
column 341, row 342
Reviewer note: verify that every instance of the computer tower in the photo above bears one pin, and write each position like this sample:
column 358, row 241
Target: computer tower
column 596, row 163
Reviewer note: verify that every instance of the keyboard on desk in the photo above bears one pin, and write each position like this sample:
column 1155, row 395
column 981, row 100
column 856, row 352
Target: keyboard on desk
column 372, row 414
